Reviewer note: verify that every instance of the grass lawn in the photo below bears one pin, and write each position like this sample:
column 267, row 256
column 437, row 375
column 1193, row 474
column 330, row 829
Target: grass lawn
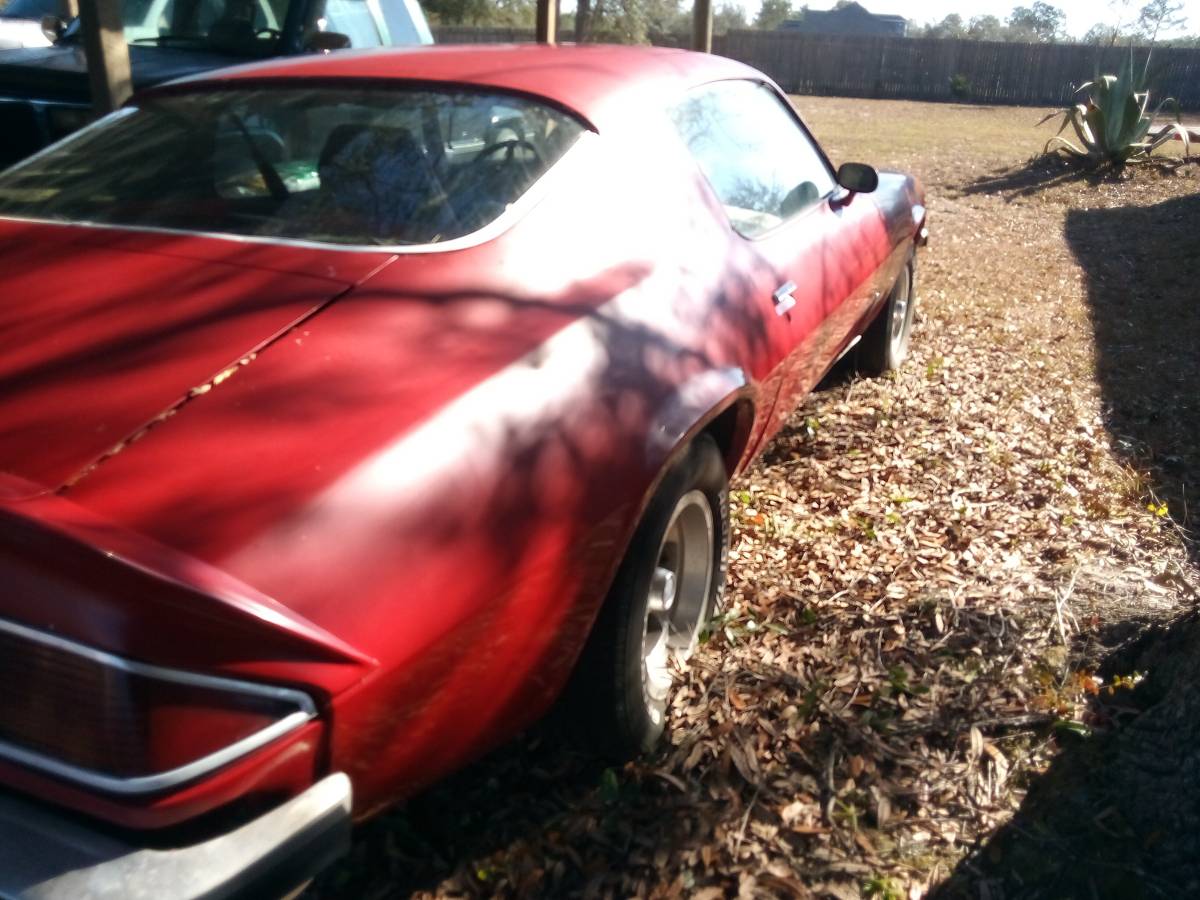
column 936, row 578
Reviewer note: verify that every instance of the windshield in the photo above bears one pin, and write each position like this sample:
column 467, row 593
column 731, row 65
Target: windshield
column 348, row 165
column 28, row 9
column 249, row 27
column 253, row 27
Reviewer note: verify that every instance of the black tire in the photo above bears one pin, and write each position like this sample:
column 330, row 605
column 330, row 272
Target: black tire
column 610, row 702
column 884, row 344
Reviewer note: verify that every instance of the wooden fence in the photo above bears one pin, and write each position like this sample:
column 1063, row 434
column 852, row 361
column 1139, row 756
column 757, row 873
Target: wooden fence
column 923, row 68
column 463, row 35
column 932, row 69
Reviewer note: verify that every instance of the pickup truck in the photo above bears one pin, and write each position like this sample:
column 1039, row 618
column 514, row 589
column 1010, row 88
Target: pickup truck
column 44, row 91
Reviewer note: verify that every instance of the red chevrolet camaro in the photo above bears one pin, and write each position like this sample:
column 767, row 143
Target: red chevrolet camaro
column 352, row 407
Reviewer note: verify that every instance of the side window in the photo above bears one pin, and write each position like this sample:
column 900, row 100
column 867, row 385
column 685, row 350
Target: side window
column 358, row 20
column 760, row 163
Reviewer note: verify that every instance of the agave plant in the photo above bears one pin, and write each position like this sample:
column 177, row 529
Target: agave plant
column 1111, row 122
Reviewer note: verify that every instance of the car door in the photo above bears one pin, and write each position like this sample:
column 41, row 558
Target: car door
column 816, row 247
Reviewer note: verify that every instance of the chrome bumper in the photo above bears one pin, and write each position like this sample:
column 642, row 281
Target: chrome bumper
column 47, row 856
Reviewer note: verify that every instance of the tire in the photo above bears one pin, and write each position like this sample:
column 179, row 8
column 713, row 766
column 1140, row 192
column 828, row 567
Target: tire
column 884, row 344
column 621, row 689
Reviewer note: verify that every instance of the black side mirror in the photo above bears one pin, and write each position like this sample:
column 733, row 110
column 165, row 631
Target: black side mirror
column 326, row 41
column 53, row 28
column 858, row 177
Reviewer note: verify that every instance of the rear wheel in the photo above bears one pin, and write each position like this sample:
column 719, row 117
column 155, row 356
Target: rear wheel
column 885, row 343
column 666, row 590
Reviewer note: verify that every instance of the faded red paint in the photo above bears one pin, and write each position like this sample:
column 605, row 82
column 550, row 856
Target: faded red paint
column 411, row 499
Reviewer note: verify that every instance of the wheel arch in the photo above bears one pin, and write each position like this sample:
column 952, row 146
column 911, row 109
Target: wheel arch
column 732, row 428
column 721, row 403
column 718, row 402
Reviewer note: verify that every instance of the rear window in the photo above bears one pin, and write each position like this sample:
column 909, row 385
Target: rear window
column 349, row 165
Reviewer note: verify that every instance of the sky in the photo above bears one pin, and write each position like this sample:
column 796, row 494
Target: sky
column 1081, row 14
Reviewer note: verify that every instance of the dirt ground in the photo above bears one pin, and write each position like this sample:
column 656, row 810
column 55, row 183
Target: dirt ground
column 954, row 590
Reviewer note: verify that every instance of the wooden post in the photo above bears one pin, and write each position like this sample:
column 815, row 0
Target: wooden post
column 702, row 26
column 547, row 21
column 107, row 53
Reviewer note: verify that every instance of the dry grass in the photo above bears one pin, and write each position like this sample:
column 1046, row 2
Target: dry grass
column 930, row 571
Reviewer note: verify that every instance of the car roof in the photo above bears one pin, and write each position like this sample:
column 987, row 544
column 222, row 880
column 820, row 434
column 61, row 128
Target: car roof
column 595, row 81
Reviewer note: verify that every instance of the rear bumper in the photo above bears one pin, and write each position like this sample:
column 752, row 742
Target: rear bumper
column 46, row 855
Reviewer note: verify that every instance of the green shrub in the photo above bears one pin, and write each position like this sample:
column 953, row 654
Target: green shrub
column 1111, row 122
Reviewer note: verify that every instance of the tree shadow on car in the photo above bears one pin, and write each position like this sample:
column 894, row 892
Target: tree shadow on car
column 538, row 816
column 1115, row 814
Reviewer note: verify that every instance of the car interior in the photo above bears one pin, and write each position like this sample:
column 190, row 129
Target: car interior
column 423, row 181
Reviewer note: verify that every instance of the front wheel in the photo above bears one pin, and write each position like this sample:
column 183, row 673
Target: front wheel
column 885, row 342
column 667, row 588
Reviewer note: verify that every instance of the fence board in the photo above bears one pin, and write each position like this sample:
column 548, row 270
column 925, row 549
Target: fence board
column 921, row 68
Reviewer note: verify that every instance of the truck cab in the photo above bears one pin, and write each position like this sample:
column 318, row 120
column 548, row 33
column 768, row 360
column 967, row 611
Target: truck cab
column 44, row 91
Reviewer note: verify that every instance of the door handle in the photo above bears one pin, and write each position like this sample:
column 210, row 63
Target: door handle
column 784, row 300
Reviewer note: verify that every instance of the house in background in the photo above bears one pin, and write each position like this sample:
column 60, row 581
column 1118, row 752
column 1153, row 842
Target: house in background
column 851, row 18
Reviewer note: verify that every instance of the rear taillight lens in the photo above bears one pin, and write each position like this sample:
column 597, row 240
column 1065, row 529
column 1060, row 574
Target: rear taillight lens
column 128, row 727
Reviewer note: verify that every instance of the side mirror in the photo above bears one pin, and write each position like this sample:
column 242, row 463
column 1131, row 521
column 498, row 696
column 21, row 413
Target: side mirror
column 326, row 41
column 53, row 28
column 858, row 177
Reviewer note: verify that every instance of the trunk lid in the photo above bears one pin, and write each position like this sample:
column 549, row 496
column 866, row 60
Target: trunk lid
column 106, row 332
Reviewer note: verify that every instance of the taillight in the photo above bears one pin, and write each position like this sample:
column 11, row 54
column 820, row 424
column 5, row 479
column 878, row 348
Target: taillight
column 128, row 727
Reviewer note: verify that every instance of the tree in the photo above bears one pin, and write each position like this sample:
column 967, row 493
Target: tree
column 1124, row 19
column 985, row 28
column 950, row 27
column 514, row 13
column 455, row 12
column 1102, row 34
column 727, row 16
column 583, row 20
column 627, row 21
column 773, row 13
column 500, row 13
column 1161, row 15
column 1041, row 22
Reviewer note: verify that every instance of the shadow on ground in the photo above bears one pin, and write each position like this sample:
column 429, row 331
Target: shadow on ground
column 1117, row 814
column 1046, row 172
column 1143, row 269
column 1037, row 174
column 442, row 838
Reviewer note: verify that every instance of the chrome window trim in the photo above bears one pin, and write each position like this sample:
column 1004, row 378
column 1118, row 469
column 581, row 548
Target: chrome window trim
column 144, row 784
column 571, row 159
